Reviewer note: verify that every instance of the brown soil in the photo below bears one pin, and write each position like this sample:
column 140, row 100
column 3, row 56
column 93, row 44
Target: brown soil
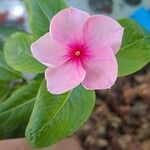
column 121, row 118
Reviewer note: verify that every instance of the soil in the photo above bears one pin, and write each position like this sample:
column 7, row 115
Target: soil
column 120, row 120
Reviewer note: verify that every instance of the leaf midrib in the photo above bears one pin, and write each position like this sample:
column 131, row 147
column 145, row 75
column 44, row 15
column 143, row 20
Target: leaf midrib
column 59, row 109
column 18, row 106
column 41, row 9
column 134, row 43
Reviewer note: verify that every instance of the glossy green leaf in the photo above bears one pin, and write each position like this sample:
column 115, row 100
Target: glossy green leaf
column 41, row 12
column 135, row 51
column 5, row 32
column 18, row 54
column 16, row 110
column 55, row 117
column 6, row 72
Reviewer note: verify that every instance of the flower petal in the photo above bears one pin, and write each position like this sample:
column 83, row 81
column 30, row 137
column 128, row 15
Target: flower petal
column 65, row 77
column 101, row 69
column 100, row 30
column 67, row 25
column 48, row 52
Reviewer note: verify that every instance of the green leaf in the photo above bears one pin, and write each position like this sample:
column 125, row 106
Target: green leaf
column 16, row 110
column 4, row 91
column 5, row 32
column 55, row 117
column 7, row 73
column 18, row 54
column 41, row 12
column 135, row 51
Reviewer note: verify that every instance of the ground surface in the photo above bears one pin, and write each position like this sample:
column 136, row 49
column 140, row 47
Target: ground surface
column 121, row 118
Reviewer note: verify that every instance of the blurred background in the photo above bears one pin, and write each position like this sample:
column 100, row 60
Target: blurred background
column 120, row 120
column 114, row 8
column 13, row 12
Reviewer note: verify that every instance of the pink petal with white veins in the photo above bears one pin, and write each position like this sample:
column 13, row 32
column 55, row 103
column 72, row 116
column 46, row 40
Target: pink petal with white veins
column 100, row 30
column 48, row 52
column 101, row 69
column 65, row 77
column 67, row 25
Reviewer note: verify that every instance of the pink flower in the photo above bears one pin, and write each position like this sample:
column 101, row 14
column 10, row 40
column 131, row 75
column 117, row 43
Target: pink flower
column 79, row 48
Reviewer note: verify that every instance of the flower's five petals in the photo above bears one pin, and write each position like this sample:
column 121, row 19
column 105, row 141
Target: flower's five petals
column 79, row 48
